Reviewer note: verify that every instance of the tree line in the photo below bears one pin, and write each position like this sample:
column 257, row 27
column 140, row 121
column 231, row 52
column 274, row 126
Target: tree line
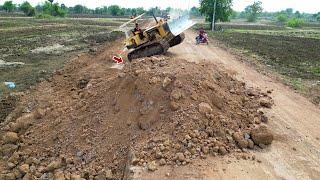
column 223, row 13
column 47, row 8
column 287, row 17
column 51, row 8
column 255, row 11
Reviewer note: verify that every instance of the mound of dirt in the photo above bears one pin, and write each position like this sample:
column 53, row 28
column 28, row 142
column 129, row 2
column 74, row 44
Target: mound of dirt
column 160, row 111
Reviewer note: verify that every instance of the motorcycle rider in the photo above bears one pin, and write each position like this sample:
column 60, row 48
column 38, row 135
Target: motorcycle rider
column 202, row 34
column 202, row 37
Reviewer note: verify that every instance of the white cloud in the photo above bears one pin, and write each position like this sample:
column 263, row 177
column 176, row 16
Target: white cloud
column 311, row 6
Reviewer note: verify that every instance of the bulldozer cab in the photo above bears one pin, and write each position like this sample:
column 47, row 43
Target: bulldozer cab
column 144, row 31
column 135, row 38
column 154, row 38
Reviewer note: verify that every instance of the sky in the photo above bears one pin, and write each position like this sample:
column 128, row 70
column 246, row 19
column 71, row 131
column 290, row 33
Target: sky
column 309, row 6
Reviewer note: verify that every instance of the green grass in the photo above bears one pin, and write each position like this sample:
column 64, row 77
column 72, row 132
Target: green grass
column 303, row 33
column 297, row 84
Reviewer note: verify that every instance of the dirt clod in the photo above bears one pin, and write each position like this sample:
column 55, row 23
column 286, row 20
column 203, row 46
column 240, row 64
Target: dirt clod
column 180, row 157
column 174, row 106
column 10, row 137
column 264, row 119
column 261, row 135
column 52, row 166
column 204, row 108
column 152, row 166
column 24, row 169
column 241, row 141
column 166, row 82
column 59, row 175
column 162, row 162
column 222, row 150
column 266, row 103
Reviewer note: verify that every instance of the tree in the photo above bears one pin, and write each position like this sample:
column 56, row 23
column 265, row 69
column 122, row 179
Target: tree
column 39, row 8
column 318, row 17
column 195, row 11
column 53, row 9
column 58, row 11
column 234, row 14
column 47, row 8
column 253, row 11
column 27, row 9
column 223, row 10
column 168, row 9
column 282, row 18
column 154, row 10
column 297, row 14
column 122, row 11
column 51, row 1
column 105, row 10
column 114, row 10
column 79, row 9
column 289, row 11
column 140, row 10
column 9, row 6
column 63, row 6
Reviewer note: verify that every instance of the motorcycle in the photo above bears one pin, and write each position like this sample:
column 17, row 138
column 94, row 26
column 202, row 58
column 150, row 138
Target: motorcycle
column 202, row 40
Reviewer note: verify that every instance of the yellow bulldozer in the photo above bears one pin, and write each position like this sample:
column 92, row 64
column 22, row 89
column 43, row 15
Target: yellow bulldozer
column 156, row 39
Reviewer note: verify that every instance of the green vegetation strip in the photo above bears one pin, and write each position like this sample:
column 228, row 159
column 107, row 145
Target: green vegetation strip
column 289, row 32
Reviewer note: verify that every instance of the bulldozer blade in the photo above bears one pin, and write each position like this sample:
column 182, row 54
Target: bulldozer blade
column 180, row 24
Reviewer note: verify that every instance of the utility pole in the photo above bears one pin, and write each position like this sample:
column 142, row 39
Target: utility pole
column 214, row 15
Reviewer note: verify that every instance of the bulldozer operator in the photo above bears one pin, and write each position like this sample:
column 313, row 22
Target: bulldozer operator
column 137, row 30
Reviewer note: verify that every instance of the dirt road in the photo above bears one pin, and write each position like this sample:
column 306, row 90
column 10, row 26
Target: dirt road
column 295, row 154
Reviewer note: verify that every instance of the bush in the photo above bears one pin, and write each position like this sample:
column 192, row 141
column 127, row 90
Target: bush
column 295, row 22
column 59, row 11
column 53, row 10
column 44, row 16
column 8, row 6
column 282, row 18
column 27, row 9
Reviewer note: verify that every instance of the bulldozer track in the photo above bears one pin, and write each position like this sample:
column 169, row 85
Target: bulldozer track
column 149, row 50
column 177, row 40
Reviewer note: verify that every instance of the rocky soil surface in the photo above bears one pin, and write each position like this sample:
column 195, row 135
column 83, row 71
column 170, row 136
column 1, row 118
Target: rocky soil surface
column 90, row 121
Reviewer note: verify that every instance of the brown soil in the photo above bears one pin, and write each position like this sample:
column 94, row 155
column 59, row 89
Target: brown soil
column 293, row 120
column 87, row 118
column 7, row 105
column 293, row 56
